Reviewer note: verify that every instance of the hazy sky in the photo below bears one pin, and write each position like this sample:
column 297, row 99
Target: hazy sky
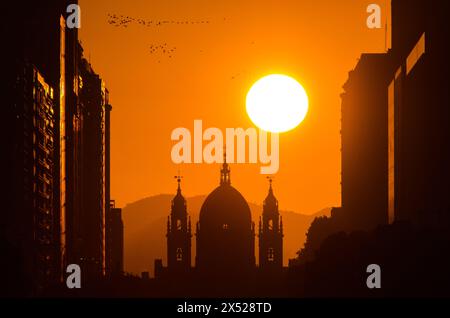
column 211, row 68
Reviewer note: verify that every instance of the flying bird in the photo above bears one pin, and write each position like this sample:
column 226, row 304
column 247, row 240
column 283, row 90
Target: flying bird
column 162, row 50
column 120, row 20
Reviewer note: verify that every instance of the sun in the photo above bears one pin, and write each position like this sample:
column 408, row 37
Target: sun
column 277, row 103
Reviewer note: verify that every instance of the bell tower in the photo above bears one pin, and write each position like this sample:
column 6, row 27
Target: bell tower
column 270, row 234
column 178, row 234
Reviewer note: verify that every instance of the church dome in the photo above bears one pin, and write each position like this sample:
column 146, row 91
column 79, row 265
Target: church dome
column 225, row 231
column 225, row 205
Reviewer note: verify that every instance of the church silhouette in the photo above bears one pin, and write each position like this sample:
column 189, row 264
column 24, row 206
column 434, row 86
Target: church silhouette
column 225, row 263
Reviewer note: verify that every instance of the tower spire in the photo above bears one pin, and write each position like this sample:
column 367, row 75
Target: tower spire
column 225, row 171
column 270, row 184
column 270, row 200
column 271, row 234
column 178, row 177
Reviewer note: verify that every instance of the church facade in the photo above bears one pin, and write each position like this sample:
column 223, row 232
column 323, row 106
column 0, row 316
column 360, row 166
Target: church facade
column 225, row 239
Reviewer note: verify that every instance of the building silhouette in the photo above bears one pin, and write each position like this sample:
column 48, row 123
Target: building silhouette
column 179, row 235
column 37, row 42
column 114, row 241
column 31, row 222
column 419, row 116
column 55, row 137
column 270, row 235
column 395, row 125
column 364, row 148
column 93, row 98
column 225, row 232
column 225, row 262
column 395, row 136
column 395, row 171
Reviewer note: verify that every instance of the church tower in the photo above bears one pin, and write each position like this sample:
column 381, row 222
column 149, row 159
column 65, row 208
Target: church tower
column 225, row 233
column 178, row 234
column 270, row 234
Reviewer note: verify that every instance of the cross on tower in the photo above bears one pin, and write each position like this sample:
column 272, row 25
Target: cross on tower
column 270, row 178
column 225, row 171
column 178, row 177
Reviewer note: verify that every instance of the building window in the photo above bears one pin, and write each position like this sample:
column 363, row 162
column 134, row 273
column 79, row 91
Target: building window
column 270, row 255
column 178, row 224
column 225, row 226
column 179, row 254
column 270, row 224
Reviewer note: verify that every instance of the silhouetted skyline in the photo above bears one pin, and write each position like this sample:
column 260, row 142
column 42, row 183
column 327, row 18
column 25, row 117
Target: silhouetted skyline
column 59, row 220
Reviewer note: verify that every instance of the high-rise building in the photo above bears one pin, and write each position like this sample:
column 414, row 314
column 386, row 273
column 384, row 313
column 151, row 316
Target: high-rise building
column 395, row 125
column 91, row 235
column 40, row 43
column 419, row 116
column 36, row 35
column 364, row 147
column 31, row 221
column 114, row 241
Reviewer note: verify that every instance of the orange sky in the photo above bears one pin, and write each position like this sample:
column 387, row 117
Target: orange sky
column 208, row 76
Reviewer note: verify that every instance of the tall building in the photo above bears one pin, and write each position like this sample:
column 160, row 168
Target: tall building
column 41, row 46
column 395, row 125
column 178, row 235
column 419, row 116
column 36, row 35
column 271, row 235
column 114, row 241
column 90, row 235
column 32, row 219
column 364, row 149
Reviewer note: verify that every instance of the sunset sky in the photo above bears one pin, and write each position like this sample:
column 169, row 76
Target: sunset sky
column 211, row 68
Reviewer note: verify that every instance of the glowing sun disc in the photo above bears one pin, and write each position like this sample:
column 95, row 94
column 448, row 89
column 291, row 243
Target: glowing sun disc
column 277, row 103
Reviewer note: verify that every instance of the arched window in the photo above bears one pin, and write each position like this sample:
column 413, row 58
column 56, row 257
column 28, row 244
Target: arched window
column 270, row 225
column 179, row 254
column 270, row 254
column 178, row 224
column 225, row 226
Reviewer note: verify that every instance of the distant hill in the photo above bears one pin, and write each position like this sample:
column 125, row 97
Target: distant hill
column 145, row 223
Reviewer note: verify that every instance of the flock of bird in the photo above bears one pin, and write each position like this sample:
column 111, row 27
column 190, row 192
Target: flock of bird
column 159, row 50
column 162, row 49
column 124, row 21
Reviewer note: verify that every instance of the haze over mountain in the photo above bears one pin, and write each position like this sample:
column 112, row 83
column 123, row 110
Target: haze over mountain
column 145, row 223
